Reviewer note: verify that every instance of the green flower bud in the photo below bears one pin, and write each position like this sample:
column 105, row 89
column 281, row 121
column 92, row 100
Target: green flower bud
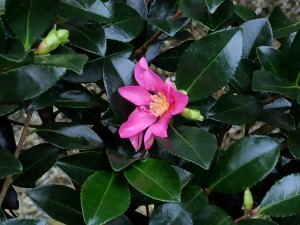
column 248, row 200
column 52, row 41
column 192, row 114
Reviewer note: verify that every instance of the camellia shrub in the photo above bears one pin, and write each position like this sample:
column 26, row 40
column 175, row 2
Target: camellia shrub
column 151, row 93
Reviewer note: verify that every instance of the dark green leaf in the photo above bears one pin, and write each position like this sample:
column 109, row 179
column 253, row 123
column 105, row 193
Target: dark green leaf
column 268, row 81
column 199, row 11
column 256, row 222
column 8, row 164
column 126, row 23
column 256, row 33
column 94, row 10
column 104, row 196
column 170, row 214
column 2, row 7
column 74, row 62
column 193, row 198
column 212, row 215
column 44, row 100
column 140, row 6
column 273, row 60
column 82, row 165
column 192, row 144
column 244, row 12
column 36, row 161
column 253, row 157
column 2, row 216
column 184, row 175
column 202, row 70
column 169, row 26
column 227, row 107
column 28, row 82
column 118, row 48
column 282, row 26
column 7, row 136
column 213, row 4
column 283, row 199
column 294, row 143
column 25, row 222
column 154, row 178
column 162, row 9
column 168, row 59
column 77, row 99
column 29, row 19
column 70, row 136
column 117, row 72
column 121, row 220
column 294, row 57
column 2, row 34
column 87, row 35
column 7, row 109
column 119, row 161
column 14, row 60
column 60, row 202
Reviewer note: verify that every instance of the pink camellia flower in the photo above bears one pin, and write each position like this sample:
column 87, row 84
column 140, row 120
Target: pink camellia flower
column 156, row 102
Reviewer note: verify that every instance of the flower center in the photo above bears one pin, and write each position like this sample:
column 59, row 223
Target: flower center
column 159, row 104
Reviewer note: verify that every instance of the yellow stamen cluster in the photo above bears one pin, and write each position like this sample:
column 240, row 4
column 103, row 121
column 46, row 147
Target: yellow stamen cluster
column 159, row 104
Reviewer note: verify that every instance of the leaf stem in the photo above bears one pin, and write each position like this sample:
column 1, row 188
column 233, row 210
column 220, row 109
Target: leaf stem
column 141, row 51
column 8, row 180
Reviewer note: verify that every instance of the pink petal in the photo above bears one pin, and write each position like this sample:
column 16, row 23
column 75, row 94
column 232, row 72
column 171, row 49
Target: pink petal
column 180, row 102
column 147, row 78
column 135, row 94
column 158, row 129
column 136, row 141
column 138, row 121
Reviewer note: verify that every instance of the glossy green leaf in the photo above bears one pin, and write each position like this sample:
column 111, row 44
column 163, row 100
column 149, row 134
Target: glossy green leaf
column 44, row 100
column 274, row 83
column 29, row 19
column 256, row 33
column 7, row 136
column 212, row 5
column 257, row 222
column 199, row 11
column 87, row 35
column 170, row 214
column 244, row 12
column 70, row 136
column 162, row 9
column 24, row 222
column 202, row 70
column 294, row 143
column 2, row 7
column 104, row 196
column 126, row 23
column 168, row 59
column 94, row 10
column 193, row 198
column 119, row 161
column 191, row 143
column 212, row 215
column 253, row 157
column 169, row 26
column 273, row 60
column 247, row 107
column 282, row 26
column 155, row 179
column 140, row 6
column 14, row 60
column 28, row 82
column 293, row 58
column 8, row 164
column 36, row 161
column 6, row 109
column 60, row 202
column 117, row 72
column 82, row 165
column 77, row 99
column 74, row 62
column 283, row 199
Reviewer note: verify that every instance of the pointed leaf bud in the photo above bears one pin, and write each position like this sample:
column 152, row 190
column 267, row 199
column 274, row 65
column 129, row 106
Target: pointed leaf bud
column 248, row 200
column 52, row 41
column 192, row 114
